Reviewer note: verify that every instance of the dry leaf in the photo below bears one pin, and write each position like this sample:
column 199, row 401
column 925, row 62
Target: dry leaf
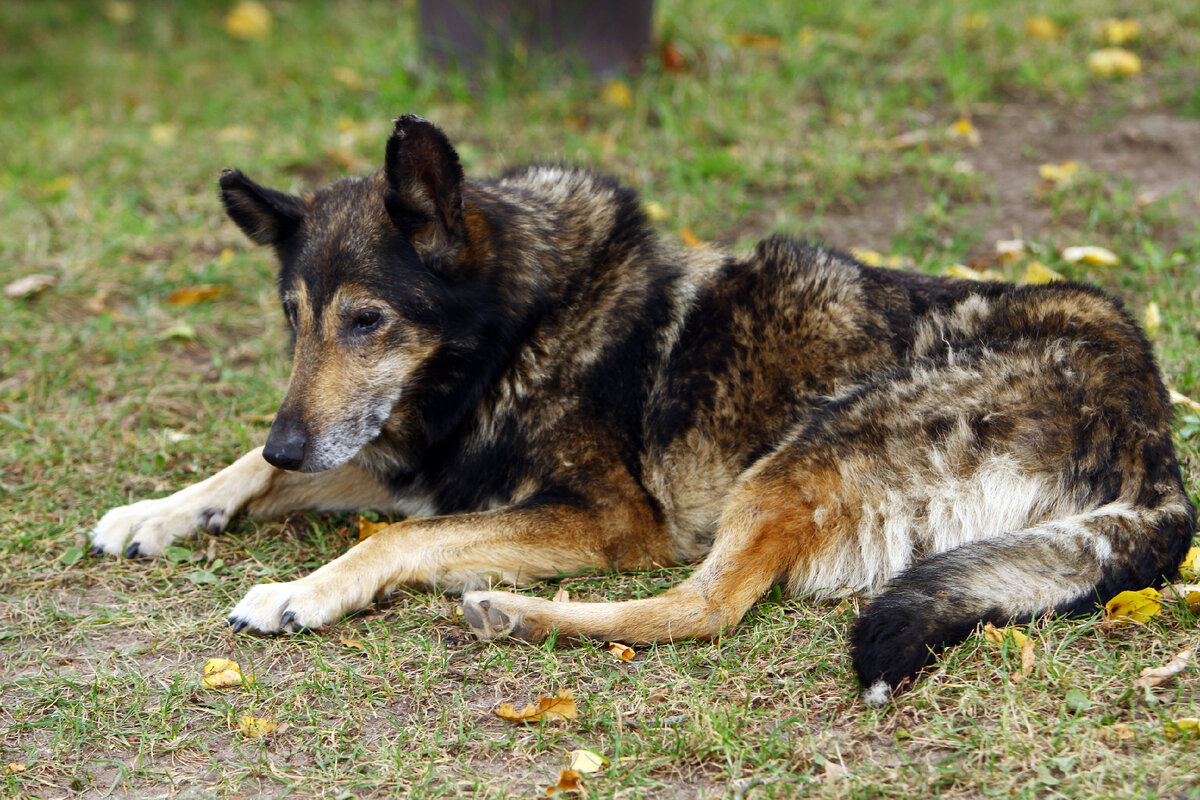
column 757, row 41
column 220, row 673
column 349, row 641
column 1157, row 676
column 12, row 768
column 1153, row 320
column 656, row 211
column 1095, row 256
column 1059, row 174
column 253, row 727
column 618, row 93
column 1027, row 657
column 1187, row 592
column 1009, row 250
column 1187, row 726
column 560, row 706
column 1189, row 570
column 1111, row 62
column 976, row 21
column 164, row 133
column 1118, row 31
column 568, row 781
column 997, row 635
column 1042, row 27
column 586, row 761
column 248, row 20
column 119, row 11
column 190, row 295
column 1183, row 400
column 561, row 596
column 834, row 770
column 1132, row 607
column 621, row 651
column 672, row 57
column 689, row 237
column 967, row 273
column 348, row 77
column 367, row 528
column 1038, row 273
column 29, row 286
column 962, row 130
column 872, row 258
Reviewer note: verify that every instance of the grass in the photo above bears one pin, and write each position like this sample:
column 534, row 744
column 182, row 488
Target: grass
column 113, row 135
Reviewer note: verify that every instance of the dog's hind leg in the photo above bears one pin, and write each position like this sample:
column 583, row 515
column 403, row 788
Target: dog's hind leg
column 250, row 484
column 773, row 521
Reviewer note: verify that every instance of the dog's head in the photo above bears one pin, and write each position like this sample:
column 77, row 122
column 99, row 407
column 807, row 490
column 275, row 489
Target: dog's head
column 363, row 266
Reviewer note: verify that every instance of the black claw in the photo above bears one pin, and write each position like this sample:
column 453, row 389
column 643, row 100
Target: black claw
column 485, row 603
column 288, row 618
column 238, row 625
column 471, row 615
column 133, row 551
column 97, row 550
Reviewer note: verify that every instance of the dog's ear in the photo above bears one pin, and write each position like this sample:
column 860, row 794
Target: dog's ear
column 265, row 215
column 425, row 183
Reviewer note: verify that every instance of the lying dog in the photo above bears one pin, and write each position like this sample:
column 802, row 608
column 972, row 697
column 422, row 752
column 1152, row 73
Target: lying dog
column 542, row 385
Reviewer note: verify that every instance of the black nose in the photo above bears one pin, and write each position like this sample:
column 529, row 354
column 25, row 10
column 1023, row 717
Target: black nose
column 285, row 443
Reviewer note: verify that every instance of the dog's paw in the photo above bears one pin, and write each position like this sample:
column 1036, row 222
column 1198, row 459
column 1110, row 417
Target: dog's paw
column 491, row 615
column 146, row 528
column 288, row 607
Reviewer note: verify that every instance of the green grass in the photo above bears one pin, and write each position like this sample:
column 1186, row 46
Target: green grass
column 112, row 139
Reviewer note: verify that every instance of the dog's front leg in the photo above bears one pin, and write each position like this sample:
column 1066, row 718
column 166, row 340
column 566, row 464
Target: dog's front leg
column 250, row 484
column 457, row 553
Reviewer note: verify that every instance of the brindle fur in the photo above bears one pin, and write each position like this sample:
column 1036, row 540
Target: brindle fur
column 543, row 385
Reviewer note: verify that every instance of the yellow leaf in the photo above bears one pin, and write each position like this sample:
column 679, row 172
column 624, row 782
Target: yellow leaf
column 253, row 727
column 367, row 528
column 757, row 41
column 1183, row 400
column 871, row 258
column 1095, row 256
column 1133, row 607
column 61, row 185
column 190, row 295
column 220, row 673
column 618, row 94
column 164, row 133
column 568, row 781
column 969, row 274
column 621, row 651
column 975, row 22
column 248, row 20
column 1059, row 174
column 586, row 761
column 119, row 11
column 962, row 130
column 997, row 635
column 1187, row 592
column 350, row 641
column 656, row 211
column 560, row 706
column 1042, row 27
column 1119, row 31
column 1038, row 273
column 1189, row 570
column 1157, row 676
column 226, row 255
column 12, row 768
column 1010, row 250
column 1185, row 726
column 1114, row 62
column 1153, row 321
column 689, row 237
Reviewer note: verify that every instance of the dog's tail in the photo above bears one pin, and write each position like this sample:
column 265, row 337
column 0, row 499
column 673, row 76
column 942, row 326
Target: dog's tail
column 1066, row 566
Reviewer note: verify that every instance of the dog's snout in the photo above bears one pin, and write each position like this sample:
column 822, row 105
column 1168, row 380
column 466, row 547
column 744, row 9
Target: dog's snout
column 285, row 444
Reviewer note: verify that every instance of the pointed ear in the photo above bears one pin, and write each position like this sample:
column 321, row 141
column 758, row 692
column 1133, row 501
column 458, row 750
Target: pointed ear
column 265, row 215
column 425, row 179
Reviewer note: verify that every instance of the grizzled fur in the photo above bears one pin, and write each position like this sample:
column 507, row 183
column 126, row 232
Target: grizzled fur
column 543, row 385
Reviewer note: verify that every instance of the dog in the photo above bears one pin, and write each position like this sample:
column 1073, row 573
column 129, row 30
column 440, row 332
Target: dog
column 541, row 385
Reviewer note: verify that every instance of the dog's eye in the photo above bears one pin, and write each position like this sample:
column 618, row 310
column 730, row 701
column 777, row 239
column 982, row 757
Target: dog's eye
column 289, row 309
column 366, row 320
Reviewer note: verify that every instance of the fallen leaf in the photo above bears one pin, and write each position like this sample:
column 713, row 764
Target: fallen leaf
column 1132, row 607
column 1059, row 174
column 12, row 768
column 568, row 781
column 180, row 330
column 1042, row 27
column 164, row 133
column 1123, row 732
column 834, row 771
column 1189, row 570
column 969, row 274
column 561, row 596
column 621, row 651
column 1153, row 319
column 1027, row 657
column 757, row 41
column 672, row 57
column 1095, row 256
column 190, row 295
column 689, row 237
column 962, row 130
column 872, row 258
column 253, row 727
column 997, row 635
column 1076, row 700
column 976, row 21
column 220, row 673
column 1038, row 273
column 1187, row 592
column 29, row 286
column 586, row 761
column 119, row 11
column 248, row 20
column 1186, row 726
column 1009, row 250
column 1118, row 31
column 367, row 528
column 560, row 706
column 349, row 641
column 1157, row 676
column 806, row 36
column 1111, row 62
column 618, row 94
column 1183, row 400
column 656, row 211
column 348, row 77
